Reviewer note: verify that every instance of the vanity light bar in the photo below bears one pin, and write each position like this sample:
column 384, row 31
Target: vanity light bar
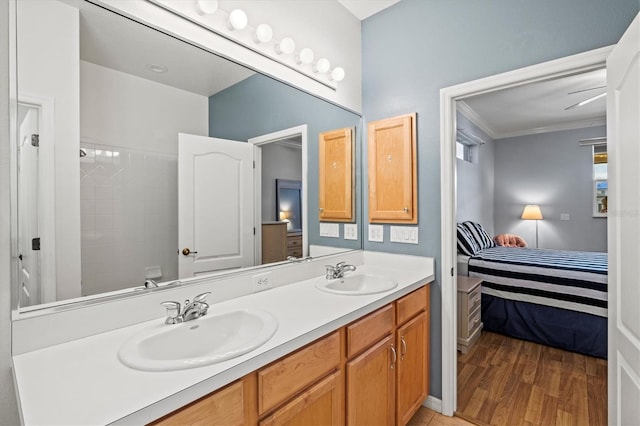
column 233, row 26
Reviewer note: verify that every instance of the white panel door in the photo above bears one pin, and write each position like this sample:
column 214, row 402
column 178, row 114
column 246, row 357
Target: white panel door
column 623, row 137
column 215, row 197
column 28, row 207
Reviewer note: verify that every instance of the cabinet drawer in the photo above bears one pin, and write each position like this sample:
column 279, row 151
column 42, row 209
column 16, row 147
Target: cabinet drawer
column 473, row 300
column 411, row 304
column 286, row 377
column 295, row 252
column 474, row 321
column 294, row 241
column 223, row 407
column 368, row 330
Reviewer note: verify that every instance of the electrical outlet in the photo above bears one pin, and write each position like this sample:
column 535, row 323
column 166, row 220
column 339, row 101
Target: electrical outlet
column 350, row 231
column 376, row 233
column 262, row 281
column 565, row 216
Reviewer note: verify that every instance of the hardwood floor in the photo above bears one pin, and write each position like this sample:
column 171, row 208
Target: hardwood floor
column 425, row 416
column 506, row 381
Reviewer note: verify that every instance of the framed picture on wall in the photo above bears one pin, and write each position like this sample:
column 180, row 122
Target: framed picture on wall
column 600, row 197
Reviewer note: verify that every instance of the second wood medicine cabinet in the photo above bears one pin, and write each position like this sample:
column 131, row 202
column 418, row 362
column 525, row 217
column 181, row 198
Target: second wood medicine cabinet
column 335, row 176
column 393, row 196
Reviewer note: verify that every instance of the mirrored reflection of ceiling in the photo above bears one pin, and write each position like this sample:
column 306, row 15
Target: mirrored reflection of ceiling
column 362, row 9
column 107, row 42
column 540, row 107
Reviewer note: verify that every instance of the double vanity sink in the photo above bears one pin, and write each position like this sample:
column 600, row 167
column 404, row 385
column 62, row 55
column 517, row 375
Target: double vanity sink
column 166, row 366
column 221, row 336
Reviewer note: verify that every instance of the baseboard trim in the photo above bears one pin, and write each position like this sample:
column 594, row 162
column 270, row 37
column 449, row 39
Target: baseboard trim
column 433, row 403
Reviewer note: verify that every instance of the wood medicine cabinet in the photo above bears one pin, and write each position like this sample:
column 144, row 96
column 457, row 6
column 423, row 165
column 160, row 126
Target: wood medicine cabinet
column 393, row 196
column 335, row 176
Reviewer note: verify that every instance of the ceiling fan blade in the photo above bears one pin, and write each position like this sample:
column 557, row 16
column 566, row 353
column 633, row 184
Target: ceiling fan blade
column 586, row 90
column 586, row 101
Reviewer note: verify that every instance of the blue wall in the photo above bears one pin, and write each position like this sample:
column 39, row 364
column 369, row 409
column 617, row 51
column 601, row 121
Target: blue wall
column 416, row 47
column 555, row 172
column 259, row 105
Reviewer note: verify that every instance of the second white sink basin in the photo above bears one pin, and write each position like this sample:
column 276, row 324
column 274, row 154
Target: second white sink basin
column 213, row 338
column 357, row 284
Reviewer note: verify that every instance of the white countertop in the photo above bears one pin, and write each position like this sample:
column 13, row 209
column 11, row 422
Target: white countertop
column 83, row 382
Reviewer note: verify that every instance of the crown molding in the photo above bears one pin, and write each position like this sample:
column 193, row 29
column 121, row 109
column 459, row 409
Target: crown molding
column 578, row 124
column 475, row 118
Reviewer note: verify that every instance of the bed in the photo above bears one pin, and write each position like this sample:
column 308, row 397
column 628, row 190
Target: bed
column 554, row 297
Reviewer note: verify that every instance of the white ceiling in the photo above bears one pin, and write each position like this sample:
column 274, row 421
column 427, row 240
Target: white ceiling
column 362, row 9
column 539, row 107
column 107, row 39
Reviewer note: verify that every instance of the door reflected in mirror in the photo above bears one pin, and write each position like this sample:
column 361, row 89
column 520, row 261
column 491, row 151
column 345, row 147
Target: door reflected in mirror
column 107, row 205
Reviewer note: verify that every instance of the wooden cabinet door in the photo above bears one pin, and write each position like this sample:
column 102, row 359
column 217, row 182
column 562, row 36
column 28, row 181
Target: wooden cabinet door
column 371, row 386
column 392, row 153
column 229, row 406
column 320, row 404
column 335, row 176
column 413, row 371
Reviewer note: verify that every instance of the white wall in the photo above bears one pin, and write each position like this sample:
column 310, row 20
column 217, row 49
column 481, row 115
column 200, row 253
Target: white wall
column 129, row 182
column 325, row 26
column 475, row 180
column 48, row 65
column 278, row 162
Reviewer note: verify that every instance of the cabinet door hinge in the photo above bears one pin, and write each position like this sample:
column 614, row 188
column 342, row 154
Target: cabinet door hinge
column 35, row 244
column 35, row 140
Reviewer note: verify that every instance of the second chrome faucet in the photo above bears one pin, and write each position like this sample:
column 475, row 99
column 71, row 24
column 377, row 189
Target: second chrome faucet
column 335, row 272
column 190, row 310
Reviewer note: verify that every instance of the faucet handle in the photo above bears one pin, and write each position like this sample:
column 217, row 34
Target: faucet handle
column 173, row 311
column 201, row 297
column 340, row 265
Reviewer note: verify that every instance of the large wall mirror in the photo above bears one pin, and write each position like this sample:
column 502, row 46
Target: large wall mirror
column 115, row 124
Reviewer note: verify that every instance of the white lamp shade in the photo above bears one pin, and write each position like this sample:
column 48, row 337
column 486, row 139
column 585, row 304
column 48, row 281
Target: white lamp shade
column 286, row 46
column 206, row 7
column 238, row 19
column 323, row 65
column 305, row 56
column 337, row 74
column 264, row 33
column 531, row 212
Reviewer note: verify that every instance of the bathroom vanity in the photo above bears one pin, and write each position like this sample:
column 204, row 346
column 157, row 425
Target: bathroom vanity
column 331, row 355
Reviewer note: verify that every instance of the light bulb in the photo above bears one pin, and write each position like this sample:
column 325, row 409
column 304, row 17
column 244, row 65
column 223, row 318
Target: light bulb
column 263, row 34
column 323, row 65
column 206, row 7
column 337, row 74
column 237, row 19
column 286, row 46
column 305, row 56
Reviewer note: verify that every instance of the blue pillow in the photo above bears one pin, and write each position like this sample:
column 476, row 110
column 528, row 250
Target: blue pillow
column 466, row 242
column 479, row 234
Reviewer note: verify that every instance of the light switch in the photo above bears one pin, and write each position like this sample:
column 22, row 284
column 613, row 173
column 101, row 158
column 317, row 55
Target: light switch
column 404, row 234
column 350, row 231
column 565, row 216
column 330, row 230
column 376, row 233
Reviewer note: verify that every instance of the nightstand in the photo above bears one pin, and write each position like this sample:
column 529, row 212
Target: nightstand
column 469, row 322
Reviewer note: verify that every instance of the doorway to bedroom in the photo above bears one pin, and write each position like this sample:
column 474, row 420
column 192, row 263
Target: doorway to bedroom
column 528, row 143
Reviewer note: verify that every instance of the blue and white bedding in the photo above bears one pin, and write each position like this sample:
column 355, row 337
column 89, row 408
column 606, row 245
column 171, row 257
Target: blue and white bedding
column 558, row 298
column 571, row 280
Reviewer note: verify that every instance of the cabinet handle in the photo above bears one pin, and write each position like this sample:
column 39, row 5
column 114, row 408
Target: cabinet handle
column 395, row 356
column 403, row 349
column 406, row 209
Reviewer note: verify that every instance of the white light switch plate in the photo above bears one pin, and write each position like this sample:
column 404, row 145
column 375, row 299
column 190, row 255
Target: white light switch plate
column 404, row 234
column 565, row 216
column 330, row 230
column 350, row 231
column 376, row 233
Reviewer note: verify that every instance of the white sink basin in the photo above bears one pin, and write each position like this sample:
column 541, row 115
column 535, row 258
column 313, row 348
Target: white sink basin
column 213, row 338
column 357, row 284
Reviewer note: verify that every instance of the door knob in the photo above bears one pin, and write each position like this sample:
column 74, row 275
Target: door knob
column 186, row 251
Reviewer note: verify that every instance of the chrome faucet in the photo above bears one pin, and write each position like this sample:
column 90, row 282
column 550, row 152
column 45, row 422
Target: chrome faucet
column 335, row 272
column 190, row 310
